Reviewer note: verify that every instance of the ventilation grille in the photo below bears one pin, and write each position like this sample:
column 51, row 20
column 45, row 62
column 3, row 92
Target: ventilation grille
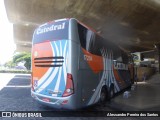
column 49, row 61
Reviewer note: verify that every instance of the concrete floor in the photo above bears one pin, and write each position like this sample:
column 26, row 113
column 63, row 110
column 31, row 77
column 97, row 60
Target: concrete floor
column 145, row 97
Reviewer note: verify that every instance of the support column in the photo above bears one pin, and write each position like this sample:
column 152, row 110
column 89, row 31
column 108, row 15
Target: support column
column 158, row 51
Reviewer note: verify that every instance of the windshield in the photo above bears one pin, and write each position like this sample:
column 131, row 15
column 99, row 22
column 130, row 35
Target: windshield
column 51, row 31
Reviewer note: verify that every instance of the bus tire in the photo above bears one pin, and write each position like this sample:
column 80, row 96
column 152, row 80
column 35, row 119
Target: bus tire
column 111, row 92
column 103, row 95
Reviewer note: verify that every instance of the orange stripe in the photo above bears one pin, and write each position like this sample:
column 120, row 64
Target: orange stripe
column 43, row 50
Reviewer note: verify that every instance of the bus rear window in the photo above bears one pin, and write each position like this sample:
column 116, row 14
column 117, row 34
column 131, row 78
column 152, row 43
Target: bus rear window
column 51, row 31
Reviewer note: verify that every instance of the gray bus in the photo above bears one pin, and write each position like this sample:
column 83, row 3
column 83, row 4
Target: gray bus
column 73, row 67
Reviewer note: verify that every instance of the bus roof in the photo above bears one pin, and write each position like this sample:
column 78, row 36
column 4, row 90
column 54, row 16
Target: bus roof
column 63, row 19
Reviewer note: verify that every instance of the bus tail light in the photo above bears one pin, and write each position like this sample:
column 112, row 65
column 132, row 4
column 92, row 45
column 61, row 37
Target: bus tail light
column 69, row 86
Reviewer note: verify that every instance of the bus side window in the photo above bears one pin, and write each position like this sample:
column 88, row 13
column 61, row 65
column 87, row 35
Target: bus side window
column 130, row 59
column 82, row 35
column 117, row 56
column 89, row 40
column 124, row 57
column 97, row 45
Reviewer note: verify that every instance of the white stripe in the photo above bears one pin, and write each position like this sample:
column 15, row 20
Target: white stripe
column 110, row 75
column 114, row 79
column 18, row 86
column 104, row 67
column 52, row 76
column 104, row 77
column 64, row 64
column 44, row 76
column 110, row 61
column 60, row 48
column 57, row 51
column 60, row 20
column 107, row 74
column 59, row 74
column 97, row 91
column 48, row 81
column 58, row 80
column 106, row 71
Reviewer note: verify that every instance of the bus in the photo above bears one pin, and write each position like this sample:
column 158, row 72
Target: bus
column 73, row 67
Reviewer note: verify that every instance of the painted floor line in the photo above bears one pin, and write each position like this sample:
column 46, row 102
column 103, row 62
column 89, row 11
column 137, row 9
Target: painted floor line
column 18, row 86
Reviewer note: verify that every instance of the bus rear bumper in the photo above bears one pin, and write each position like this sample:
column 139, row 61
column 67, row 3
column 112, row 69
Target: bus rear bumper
column 55, row 102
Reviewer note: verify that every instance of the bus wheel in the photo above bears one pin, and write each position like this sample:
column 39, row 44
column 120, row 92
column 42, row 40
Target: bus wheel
column 111, row 92
column 103, row 95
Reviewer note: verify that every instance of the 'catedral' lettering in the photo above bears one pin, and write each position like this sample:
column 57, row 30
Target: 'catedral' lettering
column 51, row 28
column 120, row 66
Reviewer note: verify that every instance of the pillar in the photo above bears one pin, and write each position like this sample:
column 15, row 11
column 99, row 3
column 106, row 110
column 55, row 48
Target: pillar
column 158, row 51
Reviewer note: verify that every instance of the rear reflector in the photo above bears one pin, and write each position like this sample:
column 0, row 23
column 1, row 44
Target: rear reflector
column 69, row 86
